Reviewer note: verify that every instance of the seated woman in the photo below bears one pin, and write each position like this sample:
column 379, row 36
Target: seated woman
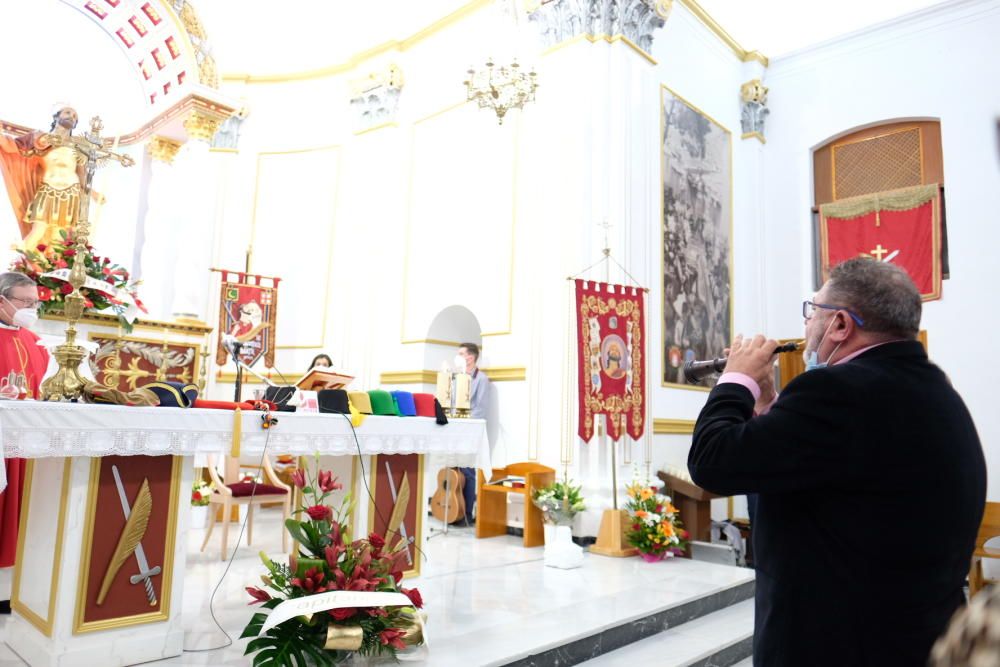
column 321, row 360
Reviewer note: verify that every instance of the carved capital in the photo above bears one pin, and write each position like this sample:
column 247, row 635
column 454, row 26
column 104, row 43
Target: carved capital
column 163, row 149
column 635, row 20
column 202, row 126
column 754, row 91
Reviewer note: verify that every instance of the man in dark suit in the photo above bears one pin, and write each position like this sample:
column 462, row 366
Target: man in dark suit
column 870, row 475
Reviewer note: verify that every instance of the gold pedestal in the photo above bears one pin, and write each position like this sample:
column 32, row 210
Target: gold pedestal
column 67, row 384
column 611, row 537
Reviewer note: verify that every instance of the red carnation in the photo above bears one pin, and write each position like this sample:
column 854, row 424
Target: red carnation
column 41, row 247
column 69, row 252
column 44, row 293
column 392, row 637
column 258, row 595
column 415, row 597
column 344, row 613
column 65, row 288
column 299, row 478
column 376, row 541
column 319, row 512
column 107, row 260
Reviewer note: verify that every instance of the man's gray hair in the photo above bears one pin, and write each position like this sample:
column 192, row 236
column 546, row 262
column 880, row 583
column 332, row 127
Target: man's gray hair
column 11, row 279
column 880, row 293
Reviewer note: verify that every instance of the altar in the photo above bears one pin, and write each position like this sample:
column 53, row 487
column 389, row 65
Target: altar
column 93, row 469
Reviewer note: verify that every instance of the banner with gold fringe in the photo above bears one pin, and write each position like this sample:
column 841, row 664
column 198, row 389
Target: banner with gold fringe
column 611, row 328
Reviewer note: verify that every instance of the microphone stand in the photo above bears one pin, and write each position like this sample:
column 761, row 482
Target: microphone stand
column 237, row 346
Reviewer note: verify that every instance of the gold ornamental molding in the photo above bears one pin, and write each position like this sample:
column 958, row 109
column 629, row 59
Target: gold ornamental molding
column 600, row 38
column 163, row 149
column 408, row 377
column 202, row 126
column 506, row 373
column 673, row 426
column 111, row 321
column 358, row 58
column 720, row 32
column 754, row 90
column 754, row 135
column 495, row 374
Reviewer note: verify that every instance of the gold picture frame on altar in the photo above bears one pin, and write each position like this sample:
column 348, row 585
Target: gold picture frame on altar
column 696, row 250
column 382, row 494
column 80, row 624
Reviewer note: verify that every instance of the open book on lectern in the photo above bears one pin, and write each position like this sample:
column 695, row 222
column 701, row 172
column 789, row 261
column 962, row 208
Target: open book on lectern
column 322, row 377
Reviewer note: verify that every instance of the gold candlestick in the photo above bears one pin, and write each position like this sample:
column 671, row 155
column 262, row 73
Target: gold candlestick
column 67, row 384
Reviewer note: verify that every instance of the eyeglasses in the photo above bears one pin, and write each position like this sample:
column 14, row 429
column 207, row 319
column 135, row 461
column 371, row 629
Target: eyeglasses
column 28, row 303
column 809, row 309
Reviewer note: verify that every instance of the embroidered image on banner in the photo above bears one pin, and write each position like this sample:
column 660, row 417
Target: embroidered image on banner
column 611, row 328
column 899, row 226
column 248, row 311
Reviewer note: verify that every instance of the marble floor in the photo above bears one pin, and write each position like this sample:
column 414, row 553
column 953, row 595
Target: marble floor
column 489, row 601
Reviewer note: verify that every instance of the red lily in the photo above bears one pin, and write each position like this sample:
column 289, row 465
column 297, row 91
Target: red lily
column 299, row 478
column 392, row 637
column 258, row 595
column 312, row 581
column 327, row 482
column 414, row 595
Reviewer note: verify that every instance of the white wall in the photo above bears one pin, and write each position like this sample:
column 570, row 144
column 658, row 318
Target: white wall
column 939, row 63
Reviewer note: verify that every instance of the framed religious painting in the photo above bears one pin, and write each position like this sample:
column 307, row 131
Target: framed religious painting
column 697, row 226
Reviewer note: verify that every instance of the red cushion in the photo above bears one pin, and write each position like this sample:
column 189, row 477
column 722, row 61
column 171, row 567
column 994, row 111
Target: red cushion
column 424, row 404
column 244, row 489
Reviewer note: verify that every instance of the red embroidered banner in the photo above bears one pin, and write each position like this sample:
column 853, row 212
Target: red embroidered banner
column 248, row 311
column 611, row 329
column 910, row 237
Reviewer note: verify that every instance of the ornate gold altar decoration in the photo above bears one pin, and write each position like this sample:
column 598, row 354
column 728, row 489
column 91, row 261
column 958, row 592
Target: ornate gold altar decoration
column 67, row 384
column 500, row 88
column 129, row 363
column 130, row 538
column 163, row 149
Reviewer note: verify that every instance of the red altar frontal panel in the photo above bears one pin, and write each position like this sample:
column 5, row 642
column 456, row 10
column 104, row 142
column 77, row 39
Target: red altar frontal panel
column 402, row 466
column 111, row 542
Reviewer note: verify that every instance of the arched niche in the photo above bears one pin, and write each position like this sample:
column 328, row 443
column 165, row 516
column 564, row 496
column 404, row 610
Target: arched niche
column 453, row 325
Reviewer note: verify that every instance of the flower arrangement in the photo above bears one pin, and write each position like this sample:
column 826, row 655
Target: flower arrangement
column 62, row 254
column 200, row 493
column 328, row 560
column 559, row 502
column 655, row 529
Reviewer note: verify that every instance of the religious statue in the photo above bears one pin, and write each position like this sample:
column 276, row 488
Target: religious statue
column 45, row 177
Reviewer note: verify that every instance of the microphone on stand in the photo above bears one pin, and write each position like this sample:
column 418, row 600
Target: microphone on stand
column 696, row 371
column 234, row 346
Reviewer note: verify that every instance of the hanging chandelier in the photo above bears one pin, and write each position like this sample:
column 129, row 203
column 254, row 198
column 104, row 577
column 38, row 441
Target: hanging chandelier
column 500, row 88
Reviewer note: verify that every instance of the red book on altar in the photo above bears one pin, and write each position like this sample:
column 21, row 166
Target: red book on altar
column 323, row 378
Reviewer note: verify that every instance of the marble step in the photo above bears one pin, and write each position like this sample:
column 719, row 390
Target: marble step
column 710, row 630
column 721, row 639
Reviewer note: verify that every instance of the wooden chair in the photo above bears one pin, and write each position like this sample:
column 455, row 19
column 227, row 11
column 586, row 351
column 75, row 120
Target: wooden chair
column 988, row 529
column 229, row 495
column 491, row 501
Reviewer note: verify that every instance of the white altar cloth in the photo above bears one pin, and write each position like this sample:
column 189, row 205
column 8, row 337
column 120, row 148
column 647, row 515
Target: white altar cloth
column 35, row 429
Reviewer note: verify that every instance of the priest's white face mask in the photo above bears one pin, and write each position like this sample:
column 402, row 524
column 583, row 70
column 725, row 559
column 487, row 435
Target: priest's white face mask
column 20, row 315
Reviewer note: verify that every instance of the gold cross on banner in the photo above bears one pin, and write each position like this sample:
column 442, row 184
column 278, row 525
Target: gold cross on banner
column 878, row 251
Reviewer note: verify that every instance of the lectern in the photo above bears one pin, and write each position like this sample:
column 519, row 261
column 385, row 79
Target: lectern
column 695, row 505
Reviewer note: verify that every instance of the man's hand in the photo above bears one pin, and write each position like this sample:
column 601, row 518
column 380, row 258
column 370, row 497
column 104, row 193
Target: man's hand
column 755, row 358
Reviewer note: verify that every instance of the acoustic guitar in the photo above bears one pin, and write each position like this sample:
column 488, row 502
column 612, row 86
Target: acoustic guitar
column 447, row 503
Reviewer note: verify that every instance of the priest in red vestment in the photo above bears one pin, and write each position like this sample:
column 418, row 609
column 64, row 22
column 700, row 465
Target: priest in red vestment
column 23, row 363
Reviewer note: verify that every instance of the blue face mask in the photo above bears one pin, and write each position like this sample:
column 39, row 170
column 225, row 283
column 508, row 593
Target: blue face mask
column 812, row 358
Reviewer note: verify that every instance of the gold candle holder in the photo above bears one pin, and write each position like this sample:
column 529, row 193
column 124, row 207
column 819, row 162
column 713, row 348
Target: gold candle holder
column 67, row 384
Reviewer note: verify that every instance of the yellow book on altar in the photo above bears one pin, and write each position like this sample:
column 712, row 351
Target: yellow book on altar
column 322, row 377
